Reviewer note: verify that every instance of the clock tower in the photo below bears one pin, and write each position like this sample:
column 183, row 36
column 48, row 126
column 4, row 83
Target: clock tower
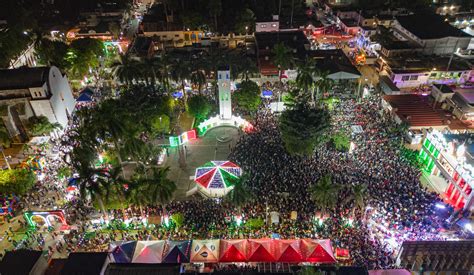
column 225, row 103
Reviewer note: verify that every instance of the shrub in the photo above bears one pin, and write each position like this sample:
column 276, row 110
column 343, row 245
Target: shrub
column 16, row 181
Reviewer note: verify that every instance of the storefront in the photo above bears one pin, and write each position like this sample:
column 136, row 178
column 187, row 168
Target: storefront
column 447, row 156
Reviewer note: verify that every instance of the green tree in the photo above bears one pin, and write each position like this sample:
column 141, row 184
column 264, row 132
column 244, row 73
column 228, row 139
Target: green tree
column 178, row 219
column 180, row 72
column 199, row 106
column 84, row 55
column 282, row 57
column 40, row 126
column 359, row 195
column 324, row 193
column 53, row 53
column 137, row 194
column 64, row 172
column 254, row 224
column 198, row 77
column 215, row 10
column 160, row 125
column 160, row 189
column 247, row 96
column 192, row 19
column 16, row 181
column 125, row 69
column 303, row 128
column 323, row 82
column 341, row 141
column 245, row 22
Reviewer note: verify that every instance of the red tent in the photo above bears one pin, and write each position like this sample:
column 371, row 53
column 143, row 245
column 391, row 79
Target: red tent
column 317, row 251
column 288, row 251
column 260, row 250
column 233, row 251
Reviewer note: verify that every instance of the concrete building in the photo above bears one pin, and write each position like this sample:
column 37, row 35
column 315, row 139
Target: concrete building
column 267, row 24
column 166, row 29
column 432, row 33
column 448, row 161
column 408, row 70
column 38, row 91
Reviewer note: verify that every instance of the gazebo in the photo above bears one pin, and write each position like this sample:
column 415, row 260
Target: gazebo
column 216, row 178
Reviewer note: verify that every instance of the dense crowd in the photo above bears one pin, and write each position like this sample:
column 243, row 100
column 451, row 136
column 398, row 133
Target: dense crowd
column 398, row 207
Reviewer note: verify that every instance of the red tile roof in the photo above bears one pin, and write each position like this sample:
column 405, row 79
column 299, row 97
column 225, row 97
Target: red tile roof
column 418, row 111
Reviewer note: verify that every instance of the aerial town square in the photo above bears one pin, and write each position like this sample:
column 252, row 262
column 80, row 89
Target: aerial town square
column 236, row 137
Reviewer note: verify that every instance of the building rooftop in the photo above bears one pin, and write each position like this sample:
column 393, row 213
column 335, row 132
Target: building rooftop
column 333, row 61
column 429, row 26
column 349, row 22
column 296, row 40
column 445, row 89
column 19, row 261
column 84, row 263
column 399, row 45
column 412, row 63
column 24, row 77
column 418, row 112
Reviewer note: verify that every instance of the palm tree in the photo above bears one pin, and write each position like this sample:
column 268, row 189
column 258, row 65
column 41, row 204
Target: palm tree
column 240, row 194
column 198, row 77
column 324, row 193
column 137, row 194
column 323, row 82
column 159, row 188
column 305, row 78
column 359, row 195
column 180, row 73
column 164, row 68
column 282, row 57
column 93, row 190
column 151, row 67
column 215, row 10
column 126, row 69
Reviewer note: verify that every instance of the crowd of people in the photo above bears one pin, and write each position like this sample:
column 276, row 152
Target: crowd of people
column 398, row 207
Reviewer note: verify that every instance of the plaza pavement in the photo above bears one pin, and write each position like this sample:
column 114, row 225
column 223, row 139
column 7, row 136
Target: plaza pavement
column 198, row 152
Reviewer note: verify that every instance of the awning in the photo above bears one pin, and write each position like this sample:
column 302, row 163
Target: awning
column 288, row 251
column 205, row 251
column 233, row 251
column 260, row 250
column 177, row 252
column 149, row 252
column 317, row 251
column 122, row 252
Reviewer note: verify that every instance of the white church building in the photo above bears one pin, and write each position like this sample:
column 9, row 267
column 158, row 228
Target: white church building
column 37, row 91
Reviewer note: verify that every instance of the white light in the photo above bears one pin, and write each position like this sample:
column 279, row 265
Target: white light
column 440, row 206
column 468, row 227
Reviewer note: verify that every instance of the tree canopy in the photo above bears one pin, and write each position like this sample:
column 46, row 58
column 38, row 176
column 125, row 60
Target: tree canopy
column 303, row 128
column 16, row 181
column 247, row 96
column 199, row 106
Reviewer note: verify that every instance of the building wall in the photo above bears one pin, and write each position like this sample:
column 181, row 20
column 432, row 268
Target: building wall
column 62, row 101
column 272, row 26
column 440, row 158
column 408, row 80
column 175, row 38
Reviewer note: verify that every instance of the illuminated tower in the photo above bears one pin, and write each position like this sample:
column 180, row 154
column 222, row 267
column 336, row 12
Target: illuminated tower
column 225, row 104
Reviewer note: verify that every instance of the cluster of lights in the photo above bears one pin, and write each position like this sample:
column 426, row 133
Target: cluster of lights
column 465, row 169
column 215, row 121
column 183, row 138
